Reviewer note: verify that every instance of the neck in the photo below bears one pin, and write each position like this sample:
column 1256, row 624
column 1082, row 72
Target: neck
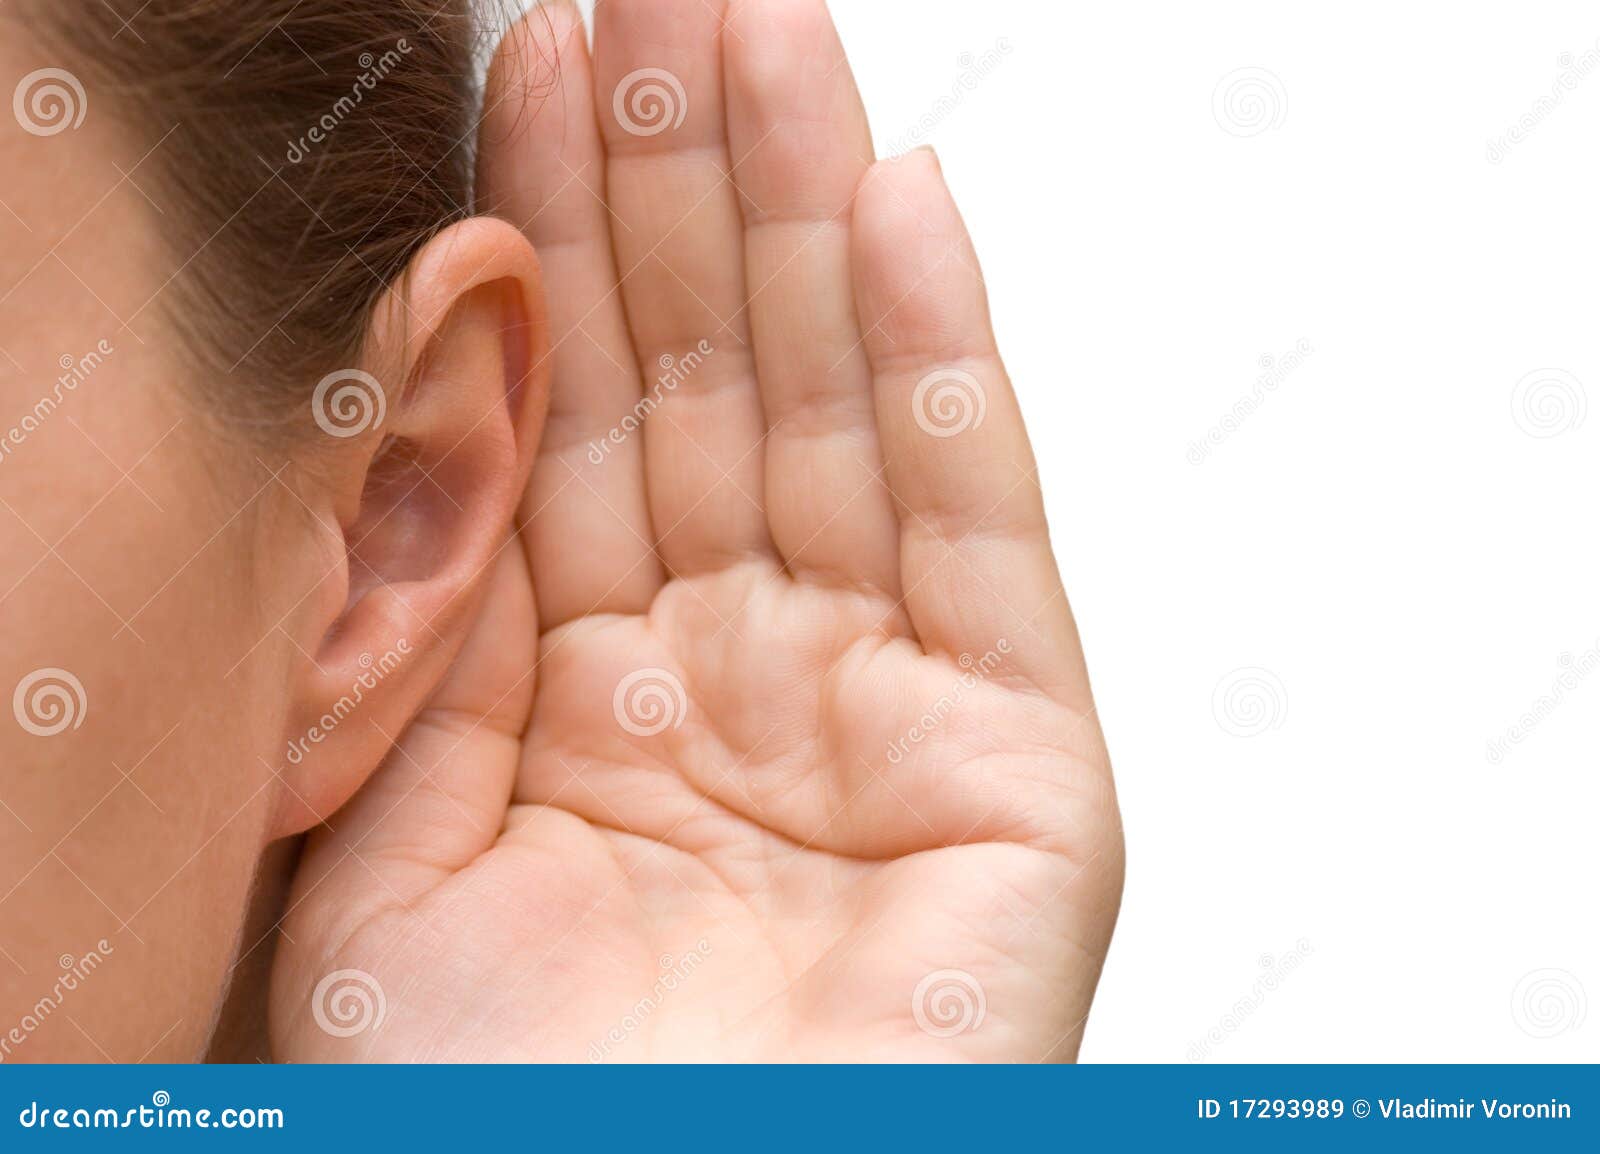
column 242, row 1031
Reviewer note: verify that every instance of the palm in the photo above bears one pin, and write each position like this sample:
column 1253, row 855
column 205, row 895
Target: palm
column 802, row 763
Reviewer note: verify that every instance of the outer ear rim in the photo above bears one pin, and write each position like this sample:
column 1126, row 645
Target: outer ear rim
column 409, row 318
column 440, row 275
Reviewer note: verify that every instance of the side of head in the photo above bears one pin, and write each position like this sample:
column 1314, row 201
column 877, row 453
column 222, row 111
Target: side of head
column 269, row 393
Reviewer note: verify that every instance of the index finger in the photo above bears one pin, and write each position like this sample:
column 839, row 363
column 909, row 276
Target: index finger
column 541, row 165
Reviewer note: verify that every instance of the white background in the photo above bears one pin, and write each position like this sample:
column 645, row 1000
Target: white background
column 1382, row 535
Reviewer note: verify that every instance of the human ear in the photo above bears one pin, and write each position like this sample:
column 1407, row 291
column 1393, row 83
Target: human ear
column 423, row 453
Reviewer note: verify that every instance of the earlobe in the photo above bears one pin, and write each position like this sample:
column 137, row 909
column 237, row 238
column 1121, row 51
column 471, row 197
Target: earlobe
column 418, row 504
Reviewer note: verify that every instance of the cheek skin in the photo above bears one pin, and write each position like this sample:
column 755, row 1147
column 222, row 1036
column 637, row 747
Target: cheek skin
column 130, row 833
column 140, row 826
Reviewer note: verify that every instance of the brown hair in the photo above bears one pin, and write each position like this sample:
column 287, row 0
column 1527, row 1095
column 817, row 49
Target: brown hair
column 303, row 151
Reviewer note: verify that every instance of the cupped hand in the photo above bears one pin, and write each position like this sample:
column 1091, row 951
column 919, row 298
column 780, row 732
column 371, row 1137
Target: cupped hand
column 775, row 740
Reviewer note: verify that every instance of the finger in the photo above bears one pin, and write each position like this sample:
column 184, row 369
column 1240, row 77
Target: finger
column 676, row 228
column 975, row 548
column 541, row 165
column 800, row 135
column 439, row 799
